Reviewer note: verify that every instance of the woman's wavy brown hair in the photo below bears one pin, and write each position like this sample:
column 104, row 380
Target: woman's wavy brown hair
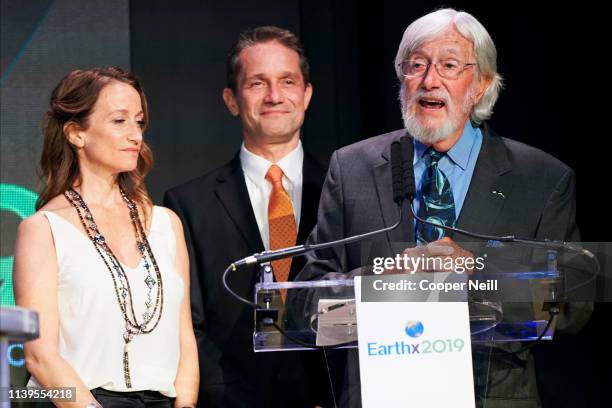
column 73, row 100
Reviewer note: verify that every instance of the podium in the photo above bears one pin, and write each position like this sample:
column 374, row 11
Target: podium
column 16, row 324
column 527, row 292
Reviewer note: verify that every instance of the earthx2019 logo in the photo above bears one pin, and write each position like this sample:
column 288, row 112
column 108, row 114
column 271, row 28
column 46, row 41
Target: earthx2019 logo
column 414, row 329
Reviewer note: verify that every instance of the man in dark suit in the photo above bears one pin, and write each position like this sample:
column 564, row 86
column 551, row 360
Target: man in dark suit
column 466, row 176
column 264, row 198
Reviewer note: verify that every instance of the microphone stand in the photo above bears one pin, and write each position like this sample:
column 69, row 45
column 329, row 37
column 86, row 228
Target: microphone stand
column 403, row 188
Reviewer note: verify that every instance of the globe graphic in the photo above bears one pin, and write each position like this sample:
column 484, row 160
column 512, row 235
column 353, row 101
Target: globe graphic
column 414, row 329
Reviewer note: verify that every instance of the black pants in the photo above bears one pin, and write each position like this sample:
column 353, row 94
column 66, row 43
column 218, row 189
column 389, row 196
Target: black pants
column 135, row 399
column 132, row 399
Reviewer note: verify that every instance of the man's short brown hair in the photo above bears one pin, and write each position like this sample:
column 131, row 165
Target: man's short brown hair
column 260, row 35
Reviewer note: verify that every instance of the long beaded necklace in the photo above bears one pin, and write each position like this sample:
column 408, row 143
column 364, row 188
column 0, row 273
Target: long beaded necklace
column 153, row 311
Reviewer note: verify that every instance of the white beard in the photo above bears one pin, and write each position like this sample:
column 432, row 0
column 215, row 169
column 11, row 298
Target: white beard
column 429, row 135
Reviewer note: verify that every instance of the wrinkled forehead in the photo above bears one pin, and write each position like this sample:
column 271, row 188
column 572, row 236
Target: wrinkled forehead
column 447, row 41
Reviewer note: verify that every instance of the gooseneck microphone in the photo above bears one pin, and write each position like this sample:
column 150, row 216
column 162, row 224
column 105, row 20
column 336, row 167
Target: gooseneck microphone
column 407, row 152
column 397, row 177
column 404, row 187
column 399, row 188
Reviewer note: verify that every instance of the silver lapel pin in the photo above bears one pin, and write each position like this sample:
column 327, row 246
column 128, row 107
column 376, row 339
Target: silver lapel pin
column 499, row 193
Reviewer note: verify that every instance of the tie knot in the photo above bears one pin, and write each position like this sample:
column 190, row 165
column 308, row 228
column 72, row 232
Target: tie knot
column 274, row 174
column 434, row 155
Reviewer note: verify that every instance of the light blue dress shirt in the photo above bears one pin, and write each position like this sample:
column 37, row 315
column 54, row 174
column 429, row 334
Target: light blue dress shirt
column 458, row 165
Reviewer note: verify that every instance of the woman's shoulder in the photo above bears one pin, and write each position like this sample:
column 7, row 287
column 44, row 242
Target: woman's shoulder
column 38, row 222
column 58, row 205
column 172, row 220
column 175, row 221
column 34, row 224
column 36, row 229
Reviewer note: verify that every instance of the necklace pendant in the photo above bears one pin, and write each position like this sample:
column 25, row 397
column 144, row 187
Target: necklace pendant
column 146, row 317
column 126, row 369
column 127, row 337
column 150, row 281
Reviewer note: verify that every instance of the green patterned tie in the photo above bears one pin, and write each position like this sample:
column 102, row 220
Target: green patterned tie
column 437, row 204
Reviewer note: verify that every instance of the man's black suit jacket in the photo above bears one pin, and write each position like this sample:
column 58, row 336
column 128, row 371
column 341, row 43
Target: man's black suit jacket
column 220, row 228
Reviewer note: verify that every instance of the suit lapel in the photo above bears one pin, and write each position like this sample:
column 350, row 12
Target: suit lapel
column 232, row 192
column 488, row 189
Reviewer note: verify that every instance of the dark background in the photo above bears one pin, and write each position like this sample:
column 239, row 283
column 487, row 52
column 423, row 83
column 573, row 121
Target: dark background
column 551, row 55
column 547, row 54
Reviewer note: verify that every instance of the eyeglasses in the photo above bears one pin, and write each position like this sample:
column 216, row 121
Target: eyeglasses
column 448, row 68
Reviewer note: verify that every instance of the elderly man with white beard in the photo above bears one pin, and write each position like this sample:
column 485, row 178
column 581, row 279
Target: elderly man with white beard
column 466, row 176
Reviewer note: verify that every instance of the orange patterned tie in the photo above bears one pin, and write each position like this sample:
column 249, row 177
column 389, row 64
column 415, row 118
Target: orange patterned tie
column 281, row 220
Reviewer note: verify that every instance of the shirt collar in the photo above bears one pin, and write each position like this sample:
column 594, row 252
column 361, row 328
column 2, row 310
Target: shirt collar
column 460, row 152
column 256, row 167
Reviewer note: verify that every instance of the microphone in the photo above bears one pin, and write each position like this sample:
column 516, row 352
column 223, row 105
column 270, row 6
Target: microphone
column 399, row 187
column 397, row 173
column 397, row 178
column 410, row 193
column 407, row 167
column 407, row 151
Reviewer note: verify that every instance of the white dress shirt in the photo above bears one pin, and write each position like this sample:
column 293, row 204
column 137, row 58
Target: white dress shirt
column 255, row 169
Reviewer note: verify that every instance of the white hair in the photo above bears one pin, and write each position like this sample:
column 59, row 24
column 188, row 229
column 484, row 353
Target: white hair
column 433, row 24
